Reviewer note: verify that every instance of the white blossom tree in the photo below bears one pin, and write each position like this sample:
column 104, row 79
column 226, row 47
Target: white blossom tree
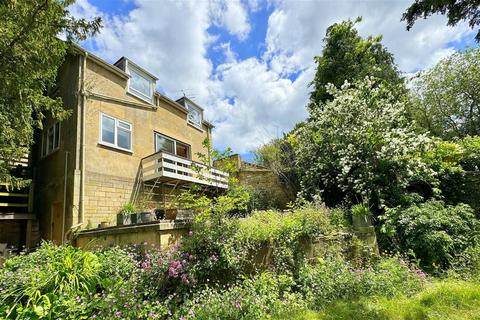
column 361, row 147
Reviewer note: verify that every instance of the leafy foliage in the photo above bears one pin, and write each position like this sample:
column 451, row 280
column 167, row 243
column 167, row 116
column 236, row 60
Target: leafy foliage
column 348, row 57
column 447, row 99
column 30, row 55
column 60, row 282
column 333, row 279
column 432, row 232
column 279, row 156
column 260, row 297
column 361, row 147
column 456, row 12
column 471, row 153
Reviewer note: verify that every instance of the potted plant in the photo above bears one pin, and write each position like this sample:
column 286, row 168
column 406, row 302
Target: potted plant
column 361, row 216
column 147, row 212
column 126, row 214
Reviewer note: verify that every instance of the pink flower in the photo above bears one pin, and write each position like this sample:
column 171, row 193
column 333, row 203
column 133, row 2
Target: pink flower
column 146, row 264
column 185, row 279
column 174, row 268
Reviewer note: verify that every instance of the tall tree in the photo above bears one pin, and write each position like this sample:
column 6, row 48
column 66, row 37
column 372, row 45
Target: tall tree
column 30, row 55
column 349, row 57
column 456, row 11
column 447, row 97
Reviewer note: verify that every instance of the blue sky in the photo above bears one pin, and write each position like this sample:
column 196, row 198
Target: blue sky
column 249, row 62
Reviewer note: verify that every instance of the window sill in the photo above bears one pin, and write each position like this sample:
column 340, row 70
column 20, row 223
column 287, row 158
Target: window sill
column 140, row 96
column 114, row 147
column 195, row 126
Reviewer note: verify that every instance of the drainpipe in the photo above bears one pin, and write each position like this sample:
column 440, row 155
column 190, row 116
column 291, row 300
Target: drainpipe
column 64, row 195
column 80, row 150
column 82, row 172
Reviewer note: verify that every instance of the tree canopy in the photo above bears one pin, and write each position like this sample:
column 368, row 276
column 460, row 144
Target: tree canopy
column 456, row 11
column 447, row 97
column 30, row 55
column 348, row 56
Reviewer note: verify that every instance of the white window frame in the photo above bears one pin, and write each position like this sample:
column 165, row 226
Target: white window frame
column 155, row 134
column 135, row 92
column 55, row 130
column 115, row 133
column 200, row 111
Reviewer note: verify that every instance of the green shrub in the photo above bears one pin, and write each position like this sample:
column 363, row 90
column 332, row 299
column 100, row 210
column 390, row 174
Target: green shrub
column 361, row 210
column 128, row 208
column 260, row 297
column 471, row 154
column 334, row 279
column 61, row 282
column 467, row 264
column 223, row 249
column 433, row 232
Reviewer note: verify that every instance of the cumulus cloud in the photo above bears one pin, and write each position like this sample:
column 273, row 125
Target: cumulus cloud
column 255, row 99
column 232, row 15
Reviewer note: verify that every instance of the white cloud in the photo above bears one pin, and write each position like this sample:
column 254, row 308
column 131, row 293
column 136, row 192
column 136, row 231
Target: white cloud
column 253, row 100
column 169, row 39
column 296, row 30
column 264, row 104
column 232, row 15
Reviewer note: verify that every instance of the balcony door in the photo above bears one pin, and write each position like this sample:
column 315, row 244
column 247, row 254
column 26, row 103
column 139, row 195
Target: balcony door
column 166, row 144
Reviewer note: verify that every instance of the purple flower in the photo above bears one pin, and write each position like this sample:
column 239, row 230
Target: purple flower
column 174, row 268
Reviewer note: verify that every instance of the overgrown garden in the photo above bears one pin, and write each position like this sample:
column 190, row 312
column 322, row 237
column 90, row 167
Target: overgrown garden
column 403, row 152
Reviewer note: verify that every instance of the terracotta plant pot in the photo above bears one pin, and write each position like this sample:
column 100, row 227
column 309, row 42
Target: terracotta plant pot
column 171, row 214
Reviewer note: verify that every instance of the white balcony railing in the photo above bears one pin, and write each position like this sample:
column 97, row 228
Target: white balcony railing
column 169, row 166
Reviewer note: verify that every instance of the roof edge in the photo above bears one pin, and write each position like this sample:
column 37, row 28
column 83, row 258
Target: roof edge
column 100, row 61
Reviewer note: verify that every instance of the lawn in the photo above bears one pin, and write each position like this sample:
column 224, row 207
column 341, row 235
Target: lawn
column 447, row 299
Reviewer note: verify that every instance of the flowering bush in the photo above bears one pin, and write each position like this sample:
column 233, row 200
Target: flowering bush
column 260, row 297
column 334, row 278
column 361, row 147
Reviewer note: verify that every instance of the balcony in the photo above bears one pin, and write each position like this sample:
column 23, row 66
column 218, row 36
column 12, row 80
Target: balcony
column 166, row 167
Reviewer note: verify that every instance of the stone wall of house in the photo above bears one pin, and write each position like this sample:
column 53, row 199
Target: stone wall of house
column 104, row 196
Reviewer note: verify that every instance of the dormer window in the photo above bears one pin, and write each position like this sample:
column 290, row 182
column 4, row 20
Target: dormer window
column 141, row 84
column 194, row 115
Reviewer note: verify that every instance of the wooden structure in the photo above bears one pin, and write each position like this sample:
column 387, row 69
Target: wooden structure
column 17, row 221
column 167, row 167
column 163, row 175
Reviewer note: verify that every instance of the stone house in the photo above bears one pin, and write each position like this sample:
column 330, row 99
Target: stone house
column 122, row 140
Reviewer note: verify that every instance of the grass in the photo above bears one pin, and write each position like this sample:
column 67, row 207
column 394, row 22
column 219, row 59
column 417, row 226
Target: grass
column 449, row 300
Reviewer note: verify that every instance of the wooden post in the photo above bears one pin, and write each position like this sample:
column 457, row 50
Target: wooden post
column 28, row 234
